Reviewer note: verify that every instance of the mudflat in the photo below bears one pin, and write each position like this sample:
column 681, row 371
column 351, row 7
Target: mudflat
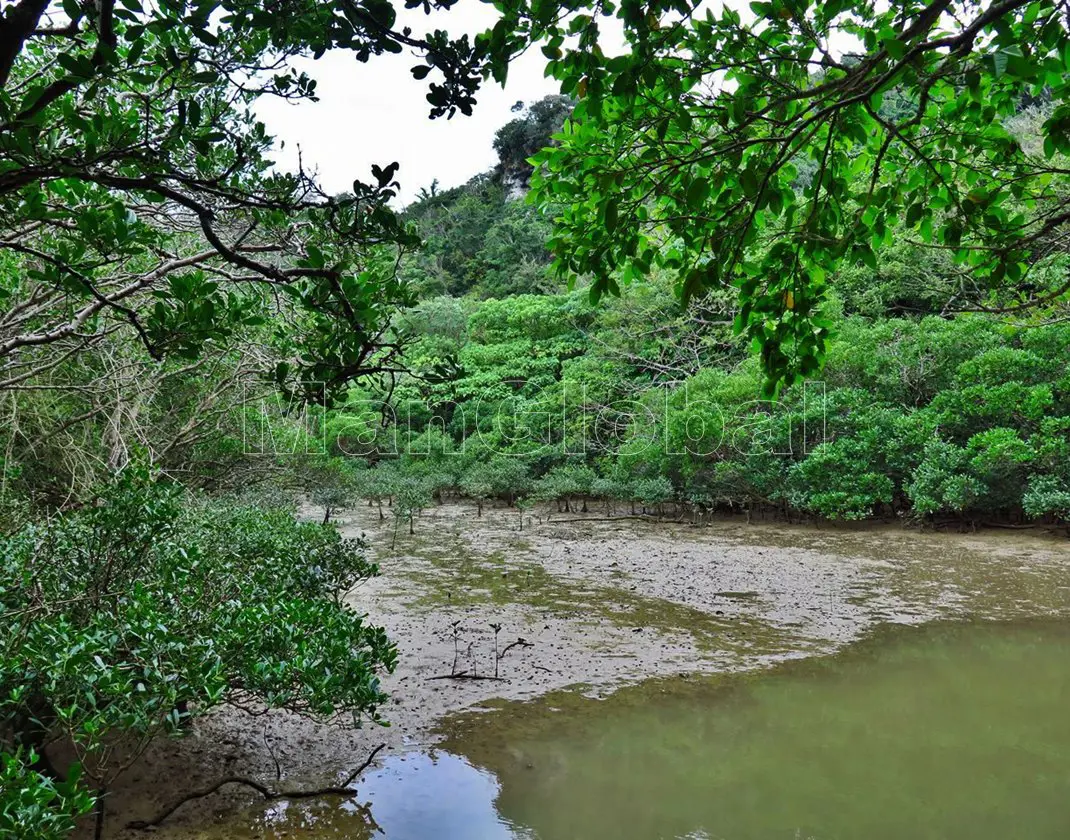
column 486, row 610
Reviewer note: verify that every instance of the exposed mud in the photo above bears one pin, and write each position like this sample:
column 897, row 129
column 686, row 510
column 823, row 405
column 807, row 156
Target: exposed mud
column 595, row 603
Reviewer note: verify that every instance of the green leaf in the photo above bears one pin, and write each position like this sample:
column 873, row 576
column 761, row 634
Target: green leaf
column 697, row 192
column 611, row 211
column 896, row 49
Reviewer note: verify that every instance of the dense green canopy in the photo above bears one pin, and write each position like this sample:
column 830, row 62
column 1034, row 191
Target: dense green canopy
column 762, row 148
column 136, row 192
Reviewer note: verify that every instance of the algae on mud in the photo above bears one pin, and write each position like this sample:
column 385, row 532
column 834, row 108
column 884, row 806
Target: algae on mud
column 943, row 731
column 452, row 567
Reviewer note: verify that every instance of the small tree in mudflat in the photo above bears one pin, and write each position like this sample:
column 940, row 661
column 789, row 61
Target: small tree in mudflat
column 332, row 486
column 476, row 484
column 379, row 484
column 523, row 504
column 508, row 477
column 411, row 497
column 653, row 493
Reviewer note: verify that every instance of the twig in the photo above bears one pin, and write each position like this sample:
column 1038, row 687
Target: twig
column 520, row 642
column 274, row 758
column 497, row 629
column 464, row 675
column 456, row 650
column 266, row 792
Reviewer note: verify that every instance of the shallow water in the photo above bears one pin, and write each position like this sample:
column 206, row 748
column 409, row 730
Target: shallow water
column 942, row 731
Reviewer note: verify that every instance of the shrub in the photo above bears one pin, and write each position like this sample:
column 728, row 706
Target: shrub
column 122, row 620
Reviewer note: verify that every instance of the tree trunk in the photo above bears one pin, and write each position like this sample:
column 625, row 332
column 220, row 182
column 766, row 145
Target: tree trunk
column 185, row 722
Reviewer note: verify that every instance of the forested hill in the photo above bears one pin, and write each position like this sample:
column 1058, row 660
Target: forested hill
column 519, row 388
column 481, row 238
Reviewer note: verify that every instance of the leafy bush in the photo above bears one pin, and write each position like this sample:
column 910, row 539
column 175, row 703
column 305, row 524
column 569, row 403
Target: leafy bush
column 564, row 484
column 34, row 806
column 412, row 494
column 477, row 483
column 652, row 492
column 126, row 618
column 1047, row 496
column 832, row 484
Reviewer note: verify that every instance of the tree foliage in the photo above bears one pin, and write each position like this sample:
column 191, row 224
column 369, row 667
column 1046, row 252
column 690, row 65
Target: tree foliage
column 528, row 134
column 761, row 151
column 137, row 194
column 124, row 619
column 479, row 238
column 964, row 417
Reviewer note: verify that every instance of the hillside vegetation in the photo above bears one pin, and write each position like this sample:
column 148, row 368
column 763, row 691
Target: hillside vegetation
column 520, row 388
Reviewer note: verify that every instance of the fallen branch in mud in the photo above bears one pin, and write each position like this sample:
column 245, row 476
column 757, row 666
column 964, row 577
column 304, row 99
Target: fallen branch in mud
column 1030, row 526
column 343, row 789
column 521, row 642
column 464, row 675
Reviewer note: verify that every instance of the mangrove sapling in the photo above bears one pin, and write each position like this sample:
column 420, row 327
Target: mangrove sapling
column 522, row 504
column 497, row 628
column 476, row 484
column 379, row 484
column 332, row 500
column 331, row 484
column 653, row 493
column 455, row 634
column 411, row 497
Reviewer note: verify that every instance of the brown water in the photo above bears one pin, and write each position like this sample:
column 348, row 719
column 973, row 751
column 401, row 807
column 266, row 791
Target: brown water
column 944, row 731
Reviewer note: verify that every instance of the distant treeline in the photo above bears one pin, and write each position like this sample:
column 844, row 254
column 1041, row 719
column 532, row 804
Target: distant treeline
column 544, row 397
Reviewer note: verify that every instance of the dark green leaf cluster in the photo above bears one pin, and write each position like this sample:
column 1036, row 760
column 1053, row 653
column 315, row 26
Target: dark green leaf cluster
column 149, row 606
column 756, row 155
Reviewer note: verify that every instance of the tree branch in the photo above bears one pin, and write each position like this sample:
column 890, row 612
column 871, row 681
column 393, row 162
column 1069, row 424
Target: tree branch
column 267, row 793
column 15, row 27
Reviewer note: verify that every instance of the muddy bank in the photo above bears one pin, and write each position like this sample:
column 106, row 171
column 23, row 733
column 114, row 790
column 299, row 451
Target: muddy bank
column 584, row 601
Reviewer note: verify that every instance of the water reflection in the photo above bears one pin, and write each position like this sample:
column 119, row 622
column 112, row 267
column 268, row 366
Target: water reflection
column 415, row 796
column 440, row 795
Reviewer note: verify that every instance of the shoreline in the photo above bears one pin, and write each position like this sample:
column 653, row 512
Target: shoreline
column 598, row 604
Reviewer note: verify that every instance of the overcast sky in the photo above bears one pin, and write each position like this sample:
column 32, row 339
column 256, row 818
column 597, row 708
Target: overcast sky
column 377, row 113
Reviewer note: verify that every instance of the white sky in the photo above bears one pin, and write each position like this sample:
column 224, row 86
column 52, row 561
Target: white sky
column 377, row 113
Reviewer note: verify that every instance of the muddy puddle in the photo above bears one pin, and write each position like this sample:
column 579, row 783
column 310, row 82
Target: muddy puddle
column 658, row 680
